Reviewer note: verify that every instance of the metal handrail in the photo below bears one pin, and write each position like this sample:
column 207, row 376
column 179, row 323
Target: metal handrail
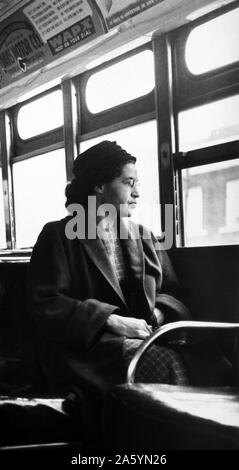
column 176, row 326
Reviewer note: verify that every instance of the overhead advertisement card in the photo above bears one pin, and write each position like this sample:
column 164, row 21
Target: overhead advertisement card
column 21, row 50
column 116, row 12
column 61, row 23
column 43, row 31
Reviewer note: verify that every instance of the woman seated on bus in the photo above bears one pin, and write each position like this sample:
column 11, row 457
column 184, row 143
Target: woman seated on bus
column 97, row 284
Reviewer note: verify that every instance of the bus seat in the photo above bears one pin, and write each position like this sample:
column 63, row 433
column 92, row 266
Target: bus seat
column 151, row 416
column 18, row 374
column 236, row 361
column 209, row 278
column 18, row 369
column 28, row 421
column 159, row 416
column 24, row 418
column 28, row 415
column 186, row 337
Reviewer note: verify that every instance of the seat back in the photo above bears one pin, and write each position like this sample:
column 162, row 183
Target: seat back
column 18, row 372
column 209, row 277
column 236, row 361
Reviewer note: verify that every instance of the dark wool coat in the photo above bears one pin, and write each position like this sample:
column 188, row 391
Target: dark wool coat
column 73, row 290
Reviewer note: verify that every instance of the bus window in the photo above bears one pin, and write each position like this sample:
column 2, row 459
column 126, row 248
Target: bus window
column 39, row 185
column 211, row 210
column 121, row 82
column 232, row 210
column 193, row 203
column 3, row 243
column 141, row 141
column 209, row 124
column 40, row 115
column 213, row 44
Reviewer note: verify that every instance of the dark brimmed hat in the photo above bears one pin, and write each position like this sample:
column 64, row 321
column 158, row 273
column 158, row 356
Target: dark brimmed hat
column 97, row 158
column 97, row 165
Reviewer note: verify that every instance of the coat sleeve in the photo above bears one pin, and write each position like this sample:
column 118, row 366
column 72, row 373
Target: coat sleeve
column 57, row 315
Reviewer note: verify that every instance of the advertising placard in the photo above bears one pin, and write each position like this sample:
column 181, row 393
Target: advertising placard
column 43, row 31
column 61, row 23
column 21, row 50
column 116, row 12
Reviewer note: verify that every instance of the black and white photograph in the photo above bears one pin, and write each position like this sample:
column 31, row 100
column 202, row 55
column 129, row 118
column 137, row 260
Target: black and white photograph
column 119, row 233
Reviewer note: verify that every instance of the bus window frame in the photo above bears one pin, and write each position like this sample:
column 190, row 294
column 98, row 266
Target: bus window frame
column 191, row 89
column 176, row 89
column 206, row 155
column 118, row 117
column 40, row 143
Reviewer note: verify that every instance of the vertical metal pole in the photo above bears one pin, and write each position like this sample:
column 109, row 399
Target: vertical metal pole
column 165, row 119
column 5, row 138
column 70, row 125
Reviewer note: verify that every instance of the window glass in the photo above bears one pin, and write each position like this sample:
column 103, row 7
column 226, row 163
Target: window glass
column 194, row 211
column 213, row 44
column 211, row 209
column 124, row 81
column 3, row 243
column 232, row 209
column 209, row 124
column 141, row 142
column 40, row 115
column 39, row 185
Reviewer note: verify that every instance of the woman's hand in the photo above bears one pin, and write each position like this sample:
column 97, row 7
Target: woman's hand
column 128, row 326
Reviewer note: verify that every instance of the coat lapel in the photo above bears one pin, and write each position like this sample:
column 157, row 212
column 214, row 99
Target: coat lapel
column 134, row 248
column 97, row 253
column 132, row 244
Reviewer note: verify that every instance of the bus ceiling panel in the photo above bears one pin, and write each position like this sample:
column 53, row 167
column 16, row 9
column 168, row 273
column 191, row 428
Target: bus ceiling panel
column 42, row 41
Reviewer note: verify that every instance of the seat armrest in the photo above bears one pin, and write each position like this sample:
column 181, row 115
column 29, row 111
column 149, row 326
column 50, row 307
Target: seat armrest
column 173, row 327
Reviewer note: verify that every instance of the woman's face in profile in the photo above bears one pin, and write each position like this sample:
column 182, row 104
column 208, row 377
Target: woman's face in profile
column 122, row 192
